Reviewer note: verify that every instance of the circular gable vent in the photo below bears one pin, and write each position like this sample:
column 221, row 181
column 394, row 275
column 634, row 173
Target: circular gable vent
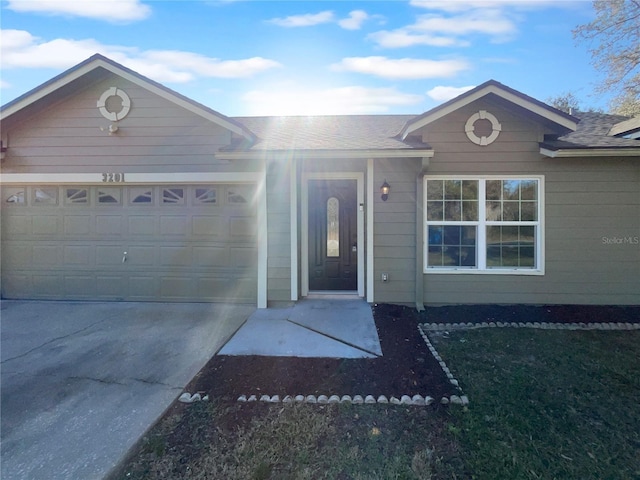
column 481, row 138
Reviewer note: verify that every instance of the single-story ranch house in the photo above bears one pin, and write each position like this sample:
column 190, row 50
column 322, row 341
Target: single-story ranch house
column 115, row 187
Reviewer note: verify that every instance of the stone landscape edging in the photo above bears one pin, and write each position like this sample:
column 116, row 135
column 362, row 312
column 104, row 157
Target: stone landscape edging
column 419, row 400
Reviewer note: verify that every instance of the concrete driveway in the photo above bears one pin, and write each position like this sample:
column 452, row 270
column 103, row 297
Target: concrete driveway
column 82, row 382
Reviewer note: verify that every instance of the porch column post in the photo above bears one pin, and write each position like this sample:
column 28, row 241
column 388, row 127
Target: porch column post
column 419, row 242
column 293, row 200
column 369, row 229
column 263, row 242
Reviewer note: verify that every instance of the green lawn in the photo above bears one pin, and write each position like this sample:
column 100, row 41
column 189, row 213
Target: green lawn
column 545, row 404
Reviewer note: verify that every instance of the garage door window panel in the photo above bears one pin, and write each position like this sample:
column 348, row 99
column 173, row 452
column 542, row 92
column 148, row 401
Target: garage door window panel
column 76, row 196
column 109, row 196
column 45, row 195
column 173, row 196
column 15, row 196
column 205, row 196
column 239, row 194
column 141, row 196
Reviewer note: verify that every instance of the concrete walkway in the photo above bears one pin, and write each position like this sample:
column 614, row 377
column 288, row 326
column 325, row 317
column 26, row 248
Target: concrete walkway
column 330, row 326
column 82, row 382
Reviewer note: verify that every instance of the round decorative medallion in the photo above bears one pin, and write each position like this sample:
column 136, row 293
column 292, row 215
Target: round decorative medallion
column 124, row 100
column 482, row 140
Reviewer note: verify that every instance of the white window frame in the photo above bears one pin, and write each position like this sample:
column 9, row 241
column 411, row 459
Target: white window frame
column 482, row 223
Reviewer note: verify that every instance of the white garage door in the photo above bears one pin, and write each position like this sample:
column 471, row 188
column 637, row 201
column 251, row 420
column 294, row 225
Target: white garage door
column 140, row 243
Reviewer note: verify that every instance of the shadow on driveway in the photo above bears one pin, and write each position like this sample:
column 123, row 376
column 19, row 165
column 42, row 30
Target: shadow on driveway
column 81, row 382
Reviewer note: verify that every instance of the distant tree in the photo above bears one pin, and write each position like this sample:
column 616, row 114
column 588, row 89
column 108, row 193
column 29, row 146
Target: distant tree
column 614, row 36
column 628, row 105
column 567, row 102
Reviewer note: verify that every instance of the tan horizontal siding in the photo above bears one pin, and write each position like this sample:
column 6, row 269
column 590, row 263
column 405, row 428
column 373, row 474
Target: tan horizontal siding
column 279, row 234
column 71, row 135
column 395, row 231
column 586, row 201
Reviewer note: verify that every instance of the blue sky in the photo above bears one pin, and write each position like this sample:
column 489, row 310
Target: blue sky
column 306, row 57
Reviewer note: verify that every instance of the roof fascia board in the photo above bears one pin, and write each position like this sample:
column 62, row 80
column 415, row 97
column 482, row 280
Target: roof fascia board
column 79, row 71
column 590, row 152
column 496, row 90
column 325, row 154
column 47, row 89
column 168, row 95
column 626, row 126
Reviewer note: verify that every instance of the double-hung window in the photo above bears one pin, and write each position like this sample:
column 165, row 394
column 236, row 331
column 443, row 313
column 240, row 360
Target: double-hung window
column 483, row 225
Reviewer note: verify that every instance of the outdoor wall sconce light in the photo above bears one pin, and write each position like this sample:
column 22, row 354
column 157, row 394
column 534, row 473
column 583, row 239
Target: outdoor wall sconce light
column 384, row 191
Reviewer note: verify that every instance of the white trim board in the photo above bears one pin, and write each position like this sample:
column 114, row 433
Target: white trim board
column 304, row 237
column 132, row 178
column 293, row 212
column 590, row 152
column 369, row 225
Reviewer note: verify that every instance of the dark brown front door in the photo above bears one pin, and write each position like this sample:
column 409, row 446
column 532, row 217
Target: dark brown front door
column 333, row 255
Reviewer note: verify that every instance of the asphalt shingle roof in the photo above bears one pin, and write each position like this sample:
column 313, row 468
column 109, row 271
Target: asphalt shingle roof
column 331, row 132
column 380, row 132
column 593, row 131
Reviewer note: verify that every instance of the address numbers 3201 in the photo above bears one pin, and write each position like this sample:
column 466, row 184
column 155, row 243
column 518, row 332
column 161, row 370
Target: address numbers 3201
column 113, row 177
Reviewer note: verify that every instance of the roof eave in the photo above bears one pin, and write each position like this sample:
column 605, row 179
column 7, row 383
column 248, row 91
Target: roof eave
column 590, row 152
column 629, row 126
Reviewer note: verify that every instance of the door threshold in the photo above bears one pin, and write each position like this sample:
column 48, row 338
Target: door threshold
column 333, row 295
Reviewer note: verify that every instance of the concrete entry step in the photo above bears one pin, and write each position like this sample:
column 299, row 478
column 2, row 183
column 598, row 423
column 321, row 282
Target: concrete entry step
column 330, row 326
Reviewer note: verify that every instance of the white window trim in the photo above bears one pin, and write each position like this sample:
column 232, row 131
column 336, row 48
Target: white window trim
column 481, row 232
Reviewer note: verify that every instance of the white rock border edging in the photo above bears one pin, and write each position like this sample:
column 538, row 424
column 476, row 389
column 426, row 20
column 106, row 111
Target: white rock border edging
column 415, row 400
column 455, row 399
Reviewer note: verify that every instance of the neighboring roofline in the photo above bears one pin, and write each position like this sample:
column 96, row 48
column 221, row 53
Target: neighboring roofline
column 100, row 61
column 327, row 154
column 529, row 103
column 590, row 152
column 631, row 125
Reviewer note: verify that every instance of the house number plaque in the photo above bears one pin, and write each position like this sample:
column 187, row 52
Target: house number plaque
column 113, row 178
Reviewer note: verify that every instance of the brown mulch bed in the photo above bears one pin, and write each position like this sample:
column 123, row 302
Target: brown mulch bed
column 532, row 313
column 406, row 367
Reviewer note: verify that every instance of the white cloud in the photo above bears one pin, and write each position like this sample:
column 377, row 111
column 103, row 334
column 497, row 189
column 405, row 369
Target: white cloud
column 404, row 38
column 488, row 22
column 402, row 68
column 305, row 20
column 351, row 100
column 355, row 20
column 451, row 28
column 466, row 5
column 20, row 49
column 4, row 84
column 108, row 10
column 442, row 93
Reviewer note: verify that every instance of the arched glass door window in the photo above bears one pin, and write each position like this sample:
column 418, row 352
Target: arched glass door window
column 333, row 227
